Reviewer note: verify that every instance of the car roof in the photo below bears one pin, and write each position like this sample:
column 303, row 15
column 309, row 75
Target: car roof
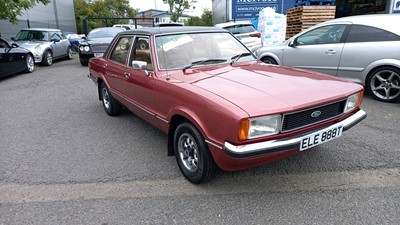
column 172, row 30
column 41, row 29
column 385, row 21
column 227, row 24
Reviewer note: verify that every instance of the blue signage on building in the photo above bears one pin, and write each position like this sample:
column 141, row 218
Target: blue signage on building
column 247, row 9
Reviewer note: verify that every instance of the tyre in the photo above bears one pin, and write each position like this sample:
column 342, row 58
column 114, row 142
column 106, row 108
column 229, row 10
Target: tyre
column 84, row 62
column 142, row 45
column 111, row 107
column 269, row 60
column 192, row 154
column 384, row 84
column 47, row 58
column 69, row 53
column 29, row 64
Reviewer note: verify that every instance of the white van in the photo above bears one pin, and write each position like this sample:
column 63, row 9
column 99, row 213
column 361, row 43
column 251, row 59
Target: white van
column 127, row 26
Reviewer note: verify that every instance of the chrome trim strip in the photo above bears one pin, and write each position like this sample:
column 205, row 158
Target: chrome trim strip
column 164, row 120
column 138, row 106
column 213, row 144
column 290, row 143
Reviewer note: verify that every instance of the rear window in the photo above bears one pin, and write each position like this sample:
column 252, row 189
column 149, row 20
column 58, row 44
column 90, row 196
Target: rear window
column 241, row 29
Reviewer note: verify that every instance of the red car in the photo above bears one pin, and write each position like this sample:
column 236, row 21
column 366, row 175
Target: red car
column 218, row 104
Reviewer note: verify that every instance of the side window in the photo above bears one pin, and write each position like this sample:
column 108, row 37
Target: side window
column 141, row 54
column 330, row 34
column 120, row 52
column 54, row 36
column 361, row 33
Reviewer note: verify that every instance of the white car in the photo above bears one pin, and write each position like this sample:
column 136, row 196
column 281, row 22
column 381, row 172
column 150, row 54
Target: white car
column 245, row 32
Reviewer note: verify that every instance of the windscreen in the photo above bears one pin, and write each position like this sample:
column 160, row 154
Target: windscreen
column 178, row 51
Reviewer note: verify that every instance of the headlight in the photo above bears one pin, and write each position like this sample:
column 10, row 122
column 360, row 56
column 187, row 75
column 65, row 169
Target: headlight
column 352, row 102
column 38, row 48
column 259, row 127
column 84, row 48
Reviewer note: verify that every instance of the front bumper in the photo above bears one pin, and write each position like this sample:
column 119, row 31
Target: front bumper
column 242, row 151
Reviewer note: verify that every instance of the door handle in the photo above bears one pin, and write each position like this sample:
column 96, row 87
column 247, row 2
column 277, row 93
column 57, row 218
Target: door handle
column 105, row 65
column 330, row 52
column 126, row 74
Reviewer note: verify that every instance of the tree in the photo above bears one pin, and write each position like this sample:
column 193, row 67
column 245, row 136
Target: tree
column 176, row 7
column 204, row 20
column 102, row 9
column 10, row 9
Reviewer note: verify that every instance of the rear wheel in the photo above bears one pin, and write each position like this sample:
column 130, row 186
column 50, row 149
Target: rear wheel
column 111, row 107
column 47, row 58
column 269, row 60
column 69, row 53
column 192, row 154
column 384, row 84
column 29, row 64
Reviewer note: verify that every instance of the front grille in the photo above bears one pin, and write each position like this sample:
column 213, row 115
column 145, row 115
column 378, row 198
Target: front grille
column 296, row 120
column 99, row 47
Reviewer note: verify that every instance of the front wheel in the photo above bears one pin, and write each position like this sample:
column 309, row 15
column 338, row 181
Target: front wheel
column 29, row 64
column 111, row 107
column 84, row 62
column 47, row 58
column 384, row 84
column 192, row 154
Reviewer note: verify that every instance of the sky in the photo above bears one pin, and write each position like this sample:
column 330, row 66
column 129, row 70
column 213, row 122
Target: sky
column 158, row 4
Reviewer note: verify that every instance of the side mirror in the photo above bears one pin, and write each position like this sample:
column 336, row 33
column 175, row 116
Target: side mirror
column 13, row 38
column 293, row 43
column 55, row 40
column 140, row 65
column 14, row 45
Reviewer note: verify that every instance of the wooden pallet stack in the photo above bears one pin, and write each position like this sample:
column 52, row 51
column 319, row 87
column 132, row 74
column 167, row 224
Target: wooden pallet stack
column 302, row 17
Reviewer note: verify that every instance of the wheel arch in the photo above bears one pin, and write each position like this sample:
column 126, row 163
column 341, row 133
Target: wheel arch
column 378, row 64
column 270, row 55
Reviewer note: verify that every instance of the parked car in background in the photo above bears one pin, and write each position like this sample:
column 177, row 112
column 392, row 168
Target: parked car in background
column 73, row 39
column 245, row 32
column 364, row 49
column 14, row 59
column 128, row 26
column 218, row 104
column 45, row 44
column 96, row 43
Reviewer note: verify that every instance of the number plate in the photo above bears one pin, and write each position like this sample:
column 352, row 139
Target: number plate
column 98, row 54
column 320, row 137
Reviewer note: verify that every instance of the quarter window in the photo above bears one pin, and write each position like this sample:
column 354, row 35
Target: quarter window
column 361, row 33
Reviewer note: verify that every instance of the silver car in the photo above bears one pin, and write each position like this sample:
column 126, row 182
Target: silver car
column 364, row 49
column 45, row 44
column 245, row 32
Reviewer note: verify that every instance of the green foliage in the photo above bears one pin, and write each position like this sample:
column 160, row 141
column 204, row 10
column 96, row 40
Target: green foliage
column 176, row 7
column 102, row 9
column 204, row 20
column 10, row 9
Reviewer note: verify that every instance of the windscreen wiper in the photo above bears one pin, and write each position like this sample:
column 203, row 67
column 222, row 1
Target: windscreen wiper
column 205, row 61
column 238, row 56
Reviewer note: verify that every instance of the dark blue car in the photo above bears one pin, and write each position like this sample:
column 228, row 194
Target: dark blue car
column 74, row 40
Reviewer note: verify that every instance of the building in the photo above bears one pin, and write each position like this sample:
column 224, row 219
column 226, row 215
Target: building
column 158, row 16
column 228, row 10
column 58, row 14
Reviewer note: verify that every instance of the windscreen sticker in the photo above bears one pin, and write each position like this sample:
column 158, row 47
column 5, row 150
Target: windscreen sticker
column 175, row 41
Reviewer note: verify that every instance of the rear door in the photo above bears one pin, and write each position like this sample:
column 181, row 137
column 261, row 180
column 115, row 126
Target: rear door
column 319, row 49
